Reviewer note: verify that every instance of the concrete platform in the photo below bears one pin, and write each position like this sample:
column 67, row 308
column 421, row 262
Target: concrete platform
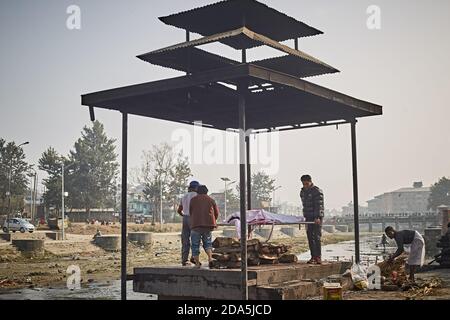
column 54, row 235
column 329, row 228
column 108, row 242
column 141, row 238
column 282, row 281
column 5, row 237
column 29, row 246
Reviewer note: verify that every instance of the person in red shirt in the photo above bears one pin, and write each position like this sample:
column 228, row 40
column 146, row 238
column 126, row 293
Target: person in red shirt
column 203, row 216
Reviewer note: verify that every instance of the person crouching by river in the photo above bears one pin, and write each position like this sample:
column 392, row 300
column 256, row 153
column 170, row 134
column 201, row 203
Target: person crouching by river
column 417, row 252
column 183, row 210
column 203, row 216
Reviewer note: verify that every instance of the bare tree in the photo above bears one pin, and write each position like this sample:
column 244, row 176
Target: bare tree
column 163, row 173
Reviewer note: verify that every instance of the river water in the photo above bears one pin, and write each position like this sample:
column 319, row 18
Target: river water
column 94, row 291
column 370, row 251
column 343, row 251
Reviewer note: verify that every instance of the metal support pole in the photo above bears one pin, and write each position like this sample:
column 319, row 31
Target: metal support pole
column 123, row 278
column 225, row 202
column 9, row 194
column 355, row 190
column 36, row 179
column 62, row 198
column 160, row 202
column 249, row 174
column 188, row 38
column 31, row 198
column 296, row 43
column 242, row 88
column 244, row 56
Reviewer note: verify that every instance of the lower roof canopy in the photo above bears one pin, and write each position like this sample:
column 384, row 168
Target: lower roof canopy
column 273, row 100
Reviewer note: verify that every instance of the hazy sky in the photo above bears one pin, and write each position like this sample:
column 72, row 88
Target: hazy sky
column 404, row 67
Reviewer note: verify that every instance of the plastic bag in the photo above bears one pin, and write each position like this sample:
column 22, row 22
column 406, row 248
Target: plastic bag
column 359, row 277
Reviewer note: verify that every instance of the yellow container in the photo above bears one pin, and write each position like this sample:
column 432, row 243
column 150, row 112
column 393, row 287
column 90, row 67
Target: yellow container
column 332, row 291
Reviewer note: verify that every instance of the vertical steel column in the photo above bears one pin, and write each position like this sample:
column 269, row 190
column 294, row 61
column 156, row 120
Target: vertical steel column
column 123, row 277
column 242, row 91
column 188, row 38
column 296, row 43
column 355, row 190
column 249, row 174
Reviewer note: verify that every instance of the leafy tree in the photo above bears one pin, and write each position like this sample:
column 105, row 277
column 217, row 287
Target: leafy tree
column 233, row 203
column 50, row 162
column 179, row 177
column 262, row 188
column 440, row 194
column 91, row 169
column 14, row 166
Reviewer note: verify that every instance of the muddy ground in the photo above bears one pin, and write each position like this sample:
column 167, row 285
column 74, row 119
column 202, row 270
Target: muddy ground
column 96, row 265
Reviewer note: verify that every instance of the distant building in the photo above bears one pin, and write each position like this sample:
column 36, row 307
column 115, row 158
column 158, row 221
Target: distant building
column 349, row 209
column 37, row 204
column 404, row 200
column 288, row 208
column 137, row 203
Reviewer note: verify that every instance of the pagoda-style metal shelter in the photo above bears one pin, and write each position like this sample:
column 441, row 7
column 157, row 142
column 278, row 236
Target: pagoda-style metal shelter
column 264, row 95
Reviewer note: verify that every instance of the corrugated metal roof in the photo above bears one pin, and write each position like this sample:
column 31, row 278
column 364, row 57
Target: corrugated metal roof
column 292, row 101
column 228, row 15
column 199, row 60
column 180, row 56
column 187, row 59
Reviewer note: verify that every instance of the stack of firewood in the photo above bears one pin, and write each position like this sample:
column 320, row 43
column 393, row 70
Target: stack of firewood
column 227, row 253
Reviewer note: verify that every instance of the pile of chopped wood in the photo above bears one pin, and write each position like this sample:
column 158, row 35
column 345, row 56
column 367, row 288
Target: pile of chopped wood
column 398, row 265
column 227, row 253
column 393, row 273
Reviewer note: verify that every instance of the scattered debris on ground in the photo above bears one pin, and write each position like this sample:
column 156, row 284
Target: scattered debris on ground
column 421, row 288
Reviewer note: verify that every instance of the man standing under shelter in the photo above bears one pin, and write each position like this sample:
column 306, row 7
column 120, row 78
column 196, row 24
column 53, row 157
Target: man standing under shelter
column 313, row 211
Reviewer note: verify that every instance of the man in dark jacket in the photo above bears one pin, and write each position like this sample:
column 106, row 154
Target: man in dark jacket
column 312, row 200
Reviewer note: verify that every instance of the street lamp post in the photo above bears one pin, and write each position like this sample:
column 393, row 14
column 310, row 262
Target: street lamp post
column 160, row 173
column 9, row 186
column 33, row 194
column 226, row 180
column 273, row 200
column 63, row 195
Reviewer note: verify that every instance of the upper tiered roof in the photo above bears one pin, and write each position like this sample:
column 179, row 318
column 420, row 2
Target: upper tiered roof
column 276, row 96
column 188, row 58
column 233, row 14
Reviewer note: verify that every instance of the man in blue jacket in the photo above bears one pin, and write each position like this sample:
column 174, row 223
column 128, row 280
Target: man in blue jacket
column 312, row 200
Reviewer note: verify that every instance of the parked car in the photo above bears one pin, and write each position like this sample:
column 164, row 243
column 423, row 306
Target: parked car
column 18, row 224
